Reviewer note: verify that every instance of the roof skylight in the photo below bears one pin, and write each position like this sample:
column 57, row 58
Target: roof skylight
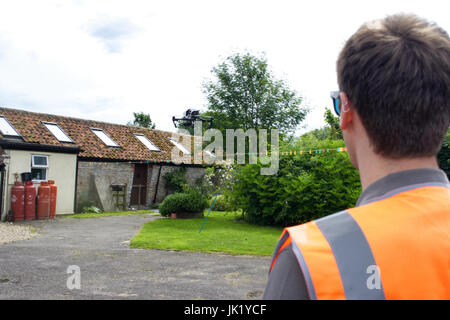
column 179, row 146
column 6, row 128
column 57, row 132
column 146, row 142
column 104, row 137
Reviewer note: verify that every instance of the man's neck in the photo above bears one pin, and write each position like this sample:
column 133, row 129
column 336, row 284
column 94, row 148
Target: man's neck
column 373, row 167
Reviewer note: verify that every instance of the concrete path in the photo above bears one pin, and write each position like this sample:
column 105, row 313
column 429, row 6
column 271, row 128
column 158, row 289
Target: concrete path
column 37, row 268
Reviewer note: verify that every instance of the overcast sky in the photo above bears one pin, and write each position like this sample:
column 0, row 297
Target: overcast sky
column 102, row 60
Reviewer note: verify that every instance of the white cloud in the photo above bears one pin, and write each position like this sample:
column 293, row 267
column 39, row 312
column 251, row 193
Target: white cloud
column 112, row 32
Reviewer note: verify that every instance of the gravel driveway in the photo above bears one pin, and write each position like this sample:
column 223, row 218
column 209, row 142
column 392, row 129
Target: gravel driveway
column 109, row 269
column 12, row 232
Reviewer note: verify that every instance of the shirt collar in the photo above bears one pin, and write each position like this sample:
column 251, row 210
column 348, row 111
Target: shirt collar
column 400, row 181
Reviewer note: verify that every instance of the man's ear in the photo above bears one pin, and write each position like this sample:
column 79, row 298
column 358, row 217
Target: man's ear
column 346, row 117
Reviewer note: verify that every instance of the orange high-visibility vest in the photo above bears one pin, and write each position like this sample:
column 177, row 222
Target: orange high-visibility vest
column 396, row 247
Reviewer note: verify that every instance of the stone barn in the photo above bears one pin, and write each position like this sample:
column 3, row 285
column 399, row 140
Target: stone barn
column 110, row 166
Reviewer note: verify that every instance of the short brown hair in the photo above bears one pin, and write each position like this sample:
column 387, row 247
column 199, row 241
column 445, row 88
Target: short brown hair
column 396, row 73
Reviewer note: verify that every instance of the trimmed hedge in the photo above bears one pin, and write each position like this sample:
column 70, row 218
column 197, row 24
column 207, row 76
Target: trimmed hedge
column 191, row 201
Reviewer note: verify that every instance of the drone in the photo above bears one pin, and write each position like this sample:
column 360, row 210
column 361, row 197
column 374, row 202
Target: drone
column 189, row 118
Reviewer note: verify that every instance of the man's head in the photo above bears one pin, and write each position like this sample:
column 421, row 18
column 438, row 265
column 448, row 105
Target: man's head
column 395, row 73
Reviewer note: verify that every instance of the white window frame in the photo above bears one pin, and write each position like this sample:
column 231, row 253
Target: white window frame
column 179, row 146
column 149, row 147
column 38, row 166
column 11, row 126
column 46, row 124
column 115, row 144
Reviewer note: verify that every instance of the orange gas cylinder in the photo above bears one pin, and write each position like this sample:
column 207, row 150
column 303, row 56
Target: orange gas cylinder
column 43, row 205
column 30, row 200
column 17, row 201
column 53, row 193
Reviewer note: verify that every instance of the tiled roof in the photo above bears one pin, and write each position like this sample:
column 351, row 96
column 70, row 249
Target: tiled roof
column 30, row 127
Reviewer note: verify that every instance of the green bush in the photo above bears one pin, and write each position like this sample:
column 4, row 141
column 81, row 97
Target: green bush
column 305, row 188
column 214, row 180
column 191, row 201
column 221, row 204
column 176, row 180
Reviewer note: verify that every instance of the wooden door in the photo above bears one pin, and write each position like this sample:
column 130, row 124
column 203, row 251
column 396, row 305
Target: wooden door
column 139, row 189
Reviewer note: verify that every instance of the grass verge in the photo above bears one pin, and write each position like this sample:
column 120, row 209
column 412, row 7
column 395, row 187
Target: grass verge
column 221, row 233
column 108, row 214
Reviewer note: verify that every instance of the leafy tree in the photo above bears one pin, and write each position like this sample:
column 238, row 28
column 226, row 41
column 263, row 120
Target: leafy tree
column 142, row 120
column 329, row 132
column 245, row 94
column 327, row 137
column 335, row 132
column 310, row 141
column 320, row 134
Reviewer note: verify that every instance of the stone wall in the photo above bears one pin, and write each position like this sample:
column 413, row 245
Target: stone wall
column 94, row 183
column 95, row 179
column 192, row 176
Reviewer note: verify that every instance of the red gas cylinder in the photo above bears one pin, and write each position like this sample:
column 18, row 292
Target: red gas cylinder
column 17, row 201
column 30, row 200
column 43, row 205
column 53, row 193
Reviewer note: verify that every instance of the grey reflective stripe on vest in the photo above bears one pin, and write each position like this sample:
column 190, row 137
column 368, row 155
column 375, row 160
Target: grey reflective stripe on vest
column 352, row 254
column 305, row 270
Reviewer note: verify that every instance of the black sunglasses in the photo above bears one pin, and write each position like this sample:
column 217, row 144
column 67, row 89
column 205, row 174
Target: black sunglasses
column 336, row 97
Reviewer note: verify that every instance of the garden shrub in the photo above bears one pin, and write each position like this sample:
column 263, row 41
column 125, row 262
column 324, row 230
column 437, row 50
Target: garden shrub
column 221, row 204
column 215, row 180
column 305, row 188
column 191, row 201
column 176, row 180
column 172, row 204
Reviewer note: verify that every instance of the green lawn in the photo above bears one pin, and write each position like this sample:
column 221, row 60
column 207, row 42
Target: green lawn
column 108, row 214
column 221, row 233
